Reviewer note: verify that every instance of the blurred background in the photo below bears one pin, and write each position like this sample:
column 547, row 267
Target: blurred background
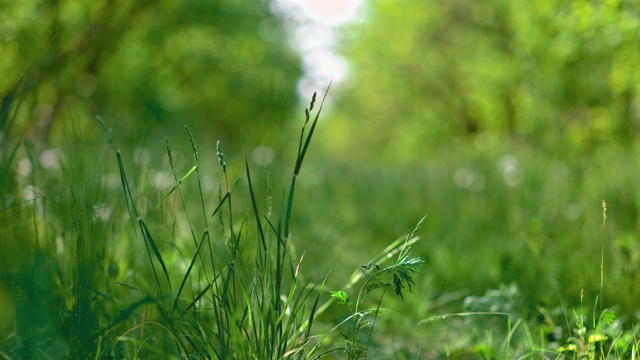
column 506, row 122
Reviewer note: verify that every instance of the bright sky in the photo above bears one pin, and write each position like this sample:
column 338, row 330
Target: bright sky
column 330, row 12
column 315, row 37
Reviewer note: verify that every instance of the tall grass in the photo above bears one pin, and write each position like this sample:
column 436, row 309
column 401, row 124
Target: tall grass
column 247, row 302
column 90, row 268
column 54, row 258
column 96, row 269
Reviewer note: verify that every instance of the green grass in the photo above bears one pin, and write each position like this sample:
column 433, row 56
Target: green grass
column 95, row 270
column 398, row 276
column 251, row 303
column 194, row 253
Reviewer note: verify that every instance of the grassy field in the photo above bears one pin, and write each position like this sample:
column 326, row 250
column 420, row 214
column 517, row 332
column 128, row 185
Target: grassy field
column 175, row 250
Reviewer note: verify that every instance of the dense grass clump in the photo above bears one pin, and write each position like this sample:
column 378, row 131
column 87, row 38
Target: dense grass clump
column 249, row 303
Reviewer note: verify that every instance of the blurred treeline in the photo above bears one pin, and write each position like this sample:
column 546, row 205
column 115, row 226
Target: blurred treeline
column 220, row 67
column 562, row 75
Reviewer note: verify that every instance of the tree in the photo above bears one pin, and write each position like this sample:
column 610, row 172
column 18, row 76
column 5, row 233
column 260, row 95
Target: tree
column 214, row 65
column 554, row 73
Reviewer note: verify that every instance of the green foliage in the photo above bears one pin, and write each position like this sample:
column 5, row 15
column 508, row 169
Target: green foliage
column 214, row 65
column 57, row 257
column 604, row 338
column 240, row 296
column 396, row 276
column 555, row 73
column 507, row 121
column 342, row 298
column 254, row 314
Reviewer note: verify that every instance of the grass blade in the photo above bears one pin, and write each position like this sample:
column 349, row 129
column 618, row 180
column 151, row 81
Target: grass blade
column 186, row 275
column 149, row 240
column 254, row 203
column 183, row 179
column 302, row 151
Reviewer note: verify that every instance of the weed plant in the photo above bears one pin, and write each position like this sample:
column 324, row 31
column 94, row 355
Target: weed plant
column 396, row 276
column 497, row 327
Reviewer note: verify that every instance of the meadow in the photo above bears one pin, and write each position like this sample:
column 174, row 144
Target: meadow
column 131, row 252
column 169, row 189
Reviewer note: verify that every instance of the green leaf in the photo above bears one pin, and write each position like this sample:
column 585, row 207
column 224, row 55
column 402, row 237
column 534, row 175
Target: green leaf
column 342, row 297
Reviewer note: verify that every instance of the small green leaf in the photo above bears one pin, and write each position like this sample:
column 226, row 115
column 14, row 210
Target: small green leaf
column 342, row 297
